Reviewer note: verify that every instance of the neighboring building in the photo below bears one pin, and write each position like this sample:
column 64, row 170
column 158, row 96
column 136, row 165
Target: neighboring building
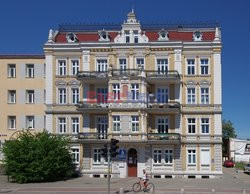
column 239, row 150
column 155, row 88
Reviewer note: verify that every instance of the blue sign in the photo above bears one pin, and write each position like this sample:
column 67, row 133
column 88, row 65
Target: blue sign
column 122, row 154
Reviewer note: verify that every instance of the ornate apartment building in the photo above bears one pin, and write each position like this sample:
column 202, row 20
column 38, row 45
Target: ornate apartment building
column 156, row 88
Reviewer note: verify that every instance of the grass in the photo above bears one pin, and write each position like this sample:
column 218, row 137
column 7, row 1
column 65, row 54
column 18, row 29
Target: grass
column 240, row 165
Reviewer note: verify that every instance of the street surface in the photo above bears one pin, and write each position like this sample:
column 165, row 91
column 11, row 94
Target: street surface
column 228, row 184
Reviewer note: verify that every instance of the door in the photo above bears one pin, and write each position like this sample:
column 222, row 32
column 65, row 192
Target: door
column 162, row 95
column 102, row 94
column 132, row 163
column 102, row 126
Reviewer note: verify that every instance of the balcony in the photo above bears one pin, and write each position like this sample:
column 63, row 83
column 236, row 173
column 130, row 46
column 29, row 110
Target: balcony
column 159, row 137
column 168, row 107
column 92, row 76
column 90, row 107
column 92, row 136
column 125, row 72
column 163, row 76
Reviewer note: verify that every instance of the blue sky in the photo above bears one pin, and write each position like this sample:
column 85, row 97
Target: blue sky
column 25, row 24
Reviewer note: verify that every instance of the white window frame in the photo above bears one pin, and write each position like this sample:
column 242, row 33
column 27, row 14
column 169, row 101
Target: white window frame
column 10, row 119
column 75, row 66
column 191, row 95
column 204, row 97
column 30, row 122
column 11, row 70
column 101, row 64
column 192, row 155
column 191, row 66
column 30, row 95
column 168, row 156
column 157, row 154
column 204, row 157
column 135, row 123
column 191, row 125
column 116, row 123
column 97, row 153
column 123, row 66
column 116, row 91
column 205, row 66
column 30, row 70
column 164, row 124
column 62, row 126
column 135, row 88
column 135, row 32
column 62, row 68
column 75, row 96
column 141, row 64
column 12, row 96
column 75, row 125
column 205, row 124
column 162, row 68
column 75, row 153
column 127, row 35
column 62, row 96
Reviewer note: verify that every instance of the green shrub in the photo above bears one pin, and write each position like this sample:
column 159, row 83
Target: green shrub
column 240, row 165
column 37, row 158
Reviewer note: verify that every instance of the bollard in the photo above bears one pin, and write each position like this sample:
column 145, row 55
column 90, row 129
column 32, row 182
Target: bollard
column 182, row 191
column 213, row 191
column 244, row 191
column 121, row 191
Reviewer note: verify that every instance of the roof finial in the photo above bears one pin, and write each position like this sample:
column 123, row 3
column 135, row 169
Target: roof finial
column 132, row 9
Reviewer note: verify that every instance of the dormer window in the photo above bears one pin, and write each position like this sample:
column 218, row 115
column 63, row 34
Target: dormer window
column 197, row 36
column 71, row 37
column 163, row 35
column 135, row 36
column 103, row 36
column 127, row 35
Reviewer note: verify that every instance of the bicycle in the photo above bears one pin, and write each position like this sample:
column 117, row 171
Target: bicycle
column 139, row 186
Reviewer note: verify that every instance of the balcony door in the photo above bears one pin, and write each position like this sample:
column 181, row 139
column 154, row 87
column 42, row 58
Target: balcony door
column 162, row 124
column 102, row 95
column 102, row 65
column 102, row 126
column 162, row 66
column 162, row 95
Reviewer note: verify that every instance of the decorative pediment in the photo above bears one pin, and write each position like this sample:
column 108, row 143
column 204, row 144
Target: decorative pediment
column 191, row 83
column 61, row 83
column 163, row 35
column 205, row 83
column 74, row 83
column 103, row 35
column 197, row 36
column 71, row 37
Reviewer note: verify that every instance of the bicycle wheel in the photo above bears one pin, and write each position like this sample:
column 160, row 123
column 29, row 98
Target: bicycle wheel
column 150, row 186
column 136, row 187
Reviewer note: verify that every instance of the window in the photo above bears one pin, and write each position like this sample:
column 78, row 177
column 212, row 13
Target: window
column 102, row 95
column 135, row 123
column 204, row 95
column 30, row 70
column 135, row 36
column 62, row 67
column 116, row 123
column 75, row 95
column 62, row 125
column 140, row 62
column 127, row 35
column 190, row 66
column 204, row 125
column 168, row 156
column 12, row 122
column 162, row 95
column 97, row 156
column 116, row 91
column 123, row 64
column 191, row 156
column 204, row 66
column 62, row 95
column 30, row 122
column 191, row 96
column 75, row 155
column 74, row 66
column 29, row 96
column 75, row 125
column 162, row 66
column 135, row 91
column 205, row 157
column 12, row 96
column 102, row 65
column 162, row 125
column 11, row 70
column 191, row 125
column 157, row 156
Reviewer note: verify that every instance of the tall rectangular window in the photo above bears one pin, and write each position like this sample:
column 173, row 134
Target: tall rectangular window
column 116, row 123
column 97, row 156
column 191, row 122
column 30, row 96
column 62, row 95
column 135, row 91
column 135, row 36
column 30, row 122
column 204, row 66
column 204, row 125
column 102, row 65
column 75, row 125
column 123, row 64
column 11, row 70
column 75, row 95
column 127, row 36
column 191, row 96
column 190, row 66
column 62, row 69
column 12, row 96
column 205, row 157
column 75, row 152
column 135, row 123
column 169, row 156
column 116, row 91
column 192, row 156
column 205, row 95
column 140, row 62
column 29, row 70
column 162, row 95
column 74, row 66
column 11, row 122
column 102, row 95
column 162, row 66
column 157, row 156
column 62, row 125
column 162, row 125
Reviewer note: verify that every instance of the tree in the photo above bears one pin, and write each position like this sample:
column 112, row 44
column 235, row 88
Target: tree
column 228, row 131
column 37, row 157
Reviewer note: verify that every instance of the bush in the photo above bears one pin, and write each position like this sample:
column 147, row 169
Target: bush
column 240, row 165
column 37, row 158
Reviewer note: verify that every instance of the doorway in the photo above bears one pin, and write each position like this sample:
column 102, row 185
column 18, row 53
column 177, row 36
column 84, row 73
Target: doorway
column 132, row 163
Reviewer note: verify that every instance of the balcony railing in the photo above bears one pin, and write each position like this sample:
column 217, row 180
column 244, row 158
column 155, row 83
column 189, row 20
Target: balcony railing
column 156, row 105
column 92, row 75
column 164, row 136
column 91, row 136
column 171, row 74
column 125, row 72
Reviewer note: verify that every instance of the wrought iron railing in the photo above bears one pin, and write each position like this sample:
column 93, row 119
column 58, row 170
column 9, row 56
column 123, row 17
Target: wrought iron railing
column 93, row 135
column 125, row 72
column 164, row 136
column 172, row 74
column 92, row 74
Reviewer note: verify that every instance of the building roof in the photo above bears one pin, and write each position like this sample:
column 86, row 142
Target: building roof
column 22, row 56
